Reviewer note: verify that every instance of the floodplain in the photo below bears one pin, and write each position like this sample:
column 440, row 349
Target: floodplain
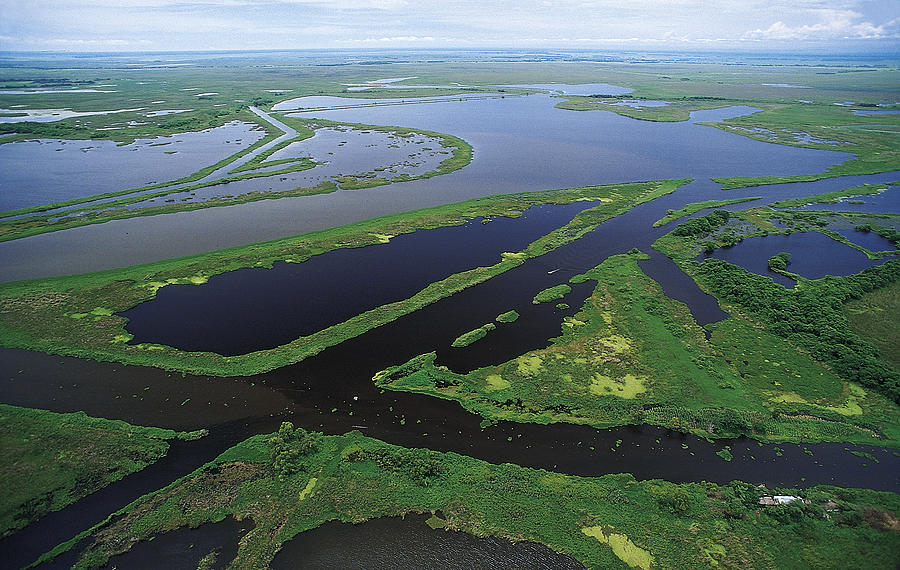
column 522, row 300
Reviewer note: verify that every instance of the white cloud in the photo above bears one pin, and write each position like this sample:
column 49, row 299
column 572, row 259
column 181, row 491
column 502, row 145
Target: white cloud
column 832, row 25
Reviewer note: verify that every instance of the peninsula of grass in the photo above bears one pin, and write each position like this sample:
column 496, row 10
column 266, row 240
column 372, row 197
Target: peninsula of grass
column 51, row 460
column 675, row 110
column 832, row 197
column 634, row 356
column 871, row 139
column 44, row 314
column 672, row 215
column 293, row 481
column 260, row 160
column 551, row 294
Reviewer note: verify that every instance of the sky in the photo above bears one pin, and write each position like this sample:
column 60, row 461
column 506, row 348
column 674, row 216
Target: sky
column 201, row 25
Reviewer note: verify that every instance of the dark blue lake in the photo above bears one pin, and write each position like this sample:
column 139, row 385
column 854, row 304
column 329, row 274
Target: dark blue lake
column 813, row 255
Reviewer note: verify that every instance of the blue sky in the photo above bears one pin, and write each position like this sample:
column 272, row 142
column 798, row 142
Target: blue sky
column 175, row 25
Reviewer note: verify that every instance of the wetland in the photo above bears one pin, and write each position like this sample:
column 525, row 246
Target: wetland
column 567, row 332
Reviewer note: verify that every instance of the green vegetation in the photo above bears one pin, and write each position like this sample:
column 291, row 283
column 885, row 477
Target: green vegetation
column 779, row 261
column 95, row 213
column 809, row 316
column 600, row 521
column 702, row 225
column 874, row 316
column 42, row 314
column 472, row 336
column 551, row 294
column 672, row 215
column 634, row 356
column 674, row 110
column 508, row 317
column 52, row 460
column 831, row 197
column 872, row 139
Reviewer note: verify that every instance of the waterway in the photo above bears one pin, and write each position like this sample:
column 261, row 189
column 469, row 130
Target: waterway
column 520, row 144
column 308, row 393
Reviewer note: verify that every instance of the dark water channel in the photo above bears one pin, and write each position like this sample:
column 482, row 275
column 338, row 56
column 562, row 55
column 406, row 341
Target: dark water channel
column 265, row 308
column 408, row 542
column 186, row 547
column 333, row 393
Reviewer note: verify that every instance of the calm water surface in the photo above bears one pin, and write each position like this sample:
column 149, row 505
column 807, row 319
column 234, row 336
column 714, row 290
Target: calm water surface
column 41, row 171
column 520, row 144
column 409, row 543
column 813, row 255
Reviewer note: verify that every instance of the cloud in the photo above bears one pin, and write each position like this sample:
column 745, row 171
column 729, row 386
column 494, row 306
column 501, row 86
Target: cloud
column 832, row 25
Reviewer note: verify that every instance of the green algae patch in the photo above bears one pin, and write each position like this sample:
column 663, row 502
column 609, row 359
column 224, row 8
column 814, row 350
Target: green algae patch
column 849, row 407
column 629, row 386
column 435, row 522
column 308, row 489
column 627, row 551
column 496, row 382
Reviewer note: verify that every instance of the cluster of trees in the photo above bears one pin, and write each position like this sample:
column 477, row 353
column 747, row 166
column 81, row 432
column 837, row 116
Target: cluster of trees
column 421, row 466
column 288, row 447
column 702, row 225
column 779, row 261
column 811, row 317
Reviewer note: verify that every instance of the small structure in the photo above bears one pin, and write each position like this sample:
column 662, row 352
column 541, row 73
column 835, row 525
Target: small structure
column 769, row 501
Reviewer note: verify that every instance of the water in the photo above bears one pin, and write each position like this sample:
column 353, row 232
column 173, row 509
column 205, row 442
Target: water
column 869, row 240
column 409, row 543
column 885, row 202
column 814, row 255
column 339, row 152
column 875, row 113
column 520, row 144
column 294, row 300
column 556, row 150
column 41, row 171
column 185, row 547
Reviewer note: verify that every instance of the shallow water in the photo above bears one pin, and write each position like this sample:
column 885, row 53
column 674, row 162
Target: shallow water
column 46, row 170
column 520, row 144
